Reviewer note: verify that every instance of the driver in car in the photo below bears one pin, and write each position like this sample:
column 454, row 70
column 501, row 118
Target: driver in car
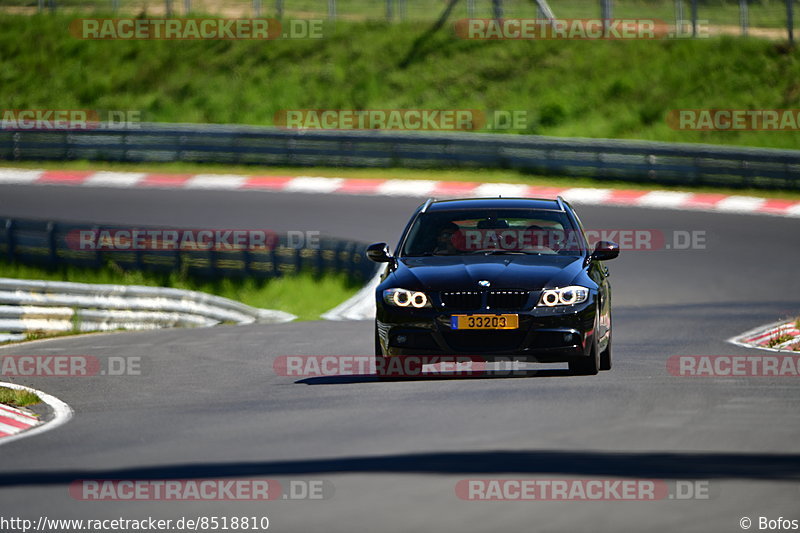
column 444, row 239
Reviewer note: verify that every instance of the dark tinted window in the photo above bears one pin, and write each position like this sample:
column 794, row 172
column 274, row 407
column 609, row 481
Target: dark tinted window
column 530, row 231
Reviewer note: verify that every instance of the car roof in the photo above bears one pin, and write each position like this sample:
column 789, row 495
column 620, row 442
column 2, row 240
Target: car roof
column 494, row 203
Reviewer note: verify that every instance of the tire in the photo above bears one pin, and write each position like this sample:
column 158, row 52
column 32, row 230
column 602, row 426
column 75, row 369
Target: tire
column 380, row 366
column 378, row 348
column 605, row 357
column 586, row 366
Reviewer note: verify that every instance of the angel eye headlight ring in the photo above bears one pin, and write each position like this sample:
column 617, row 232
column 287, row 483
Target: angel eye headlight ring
column 406, row 298
column 401, row 298
column 550, row 298
column 574, row 294
column 418, row 299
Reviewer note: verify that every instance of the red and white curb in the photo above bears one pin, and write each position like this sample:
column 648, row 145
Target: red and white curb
column 762, row 336
column 17, row 424
column 715, row 202
column 14, row 421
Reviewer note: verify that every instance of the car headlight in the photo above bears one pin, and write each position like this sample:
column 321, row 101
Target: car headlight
column 574, row 294
column 406, row 298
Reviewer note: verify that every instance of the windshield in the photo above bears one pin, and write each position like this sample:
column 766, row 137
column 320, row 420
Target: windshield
column 491, row 232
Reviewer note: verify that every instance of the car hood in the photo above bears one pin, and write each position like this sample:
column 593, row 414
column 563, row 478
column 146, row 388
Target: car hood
column 530, row 272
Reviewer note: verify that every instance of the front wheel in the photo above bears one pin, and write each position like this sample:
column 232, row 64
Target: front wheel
column 378, row 347
column 587, row 366
column 380, row 363
column 605, row 357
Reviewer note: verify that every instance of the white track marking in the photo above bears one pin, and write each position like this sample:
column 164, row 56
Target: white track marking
column 507, row 190
column 740, row 204
column 114, row 179
column 313, row 185
column 407, row 187
column 586, row 196
column 19, row 176
column 215, row 181
column 668, row 199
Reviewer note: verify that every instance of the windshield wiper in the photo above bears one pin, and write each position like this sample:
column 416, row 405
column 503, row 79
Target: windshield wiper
column 428, row 254
column 503, row 252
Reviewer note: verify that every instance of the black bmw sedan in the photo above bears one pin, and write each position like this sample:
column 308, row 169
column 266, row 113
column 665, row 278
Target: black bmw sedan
column 498, row 278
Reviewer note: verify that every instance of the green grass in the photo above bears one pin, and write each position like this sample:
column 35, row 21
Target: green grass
column 614, row 89
column 480, row 175
column 305, row 295
column 778, row 339
column 18, row 398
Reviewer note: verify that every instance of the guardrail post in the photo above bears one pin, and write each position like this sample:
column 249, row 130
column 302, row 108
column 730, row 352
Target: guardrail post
column 213, row 262
column 319, row 261
column 52, row 257
column 351, row 265
column 137, row 254
column 298, row 259
column 96, row 258
column 8, row 229
column 273, row 257
column 694, row 18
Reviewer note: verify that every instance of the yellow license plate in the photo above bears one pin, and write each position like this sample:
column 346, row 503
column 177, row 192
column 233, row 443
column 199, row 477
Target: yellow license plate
column 484, row 322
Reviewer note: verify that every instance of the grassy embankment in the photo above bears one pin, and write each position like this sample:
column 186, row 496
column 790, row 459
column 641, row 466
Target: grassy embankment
column 614, row 89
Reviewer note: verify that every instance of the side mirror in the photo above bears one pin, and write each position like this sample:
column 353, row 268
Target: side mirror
column 605, row 250
column 379, row 252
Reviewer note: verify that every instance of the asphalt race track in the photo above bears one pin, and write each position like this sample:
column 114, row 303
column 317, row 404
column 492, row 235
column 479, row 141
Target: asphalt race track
column 208, row 403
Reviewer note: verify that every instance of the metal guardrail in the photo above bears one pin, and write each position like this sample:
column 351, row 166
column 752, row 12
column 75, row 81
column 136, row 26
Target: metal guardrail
column 50, row 244
column 638, row 161
column 50, row 306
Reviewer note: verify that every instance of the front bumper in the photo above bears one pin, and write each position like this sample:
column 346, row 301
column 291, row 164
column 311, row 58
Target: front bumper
column 545, row 334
